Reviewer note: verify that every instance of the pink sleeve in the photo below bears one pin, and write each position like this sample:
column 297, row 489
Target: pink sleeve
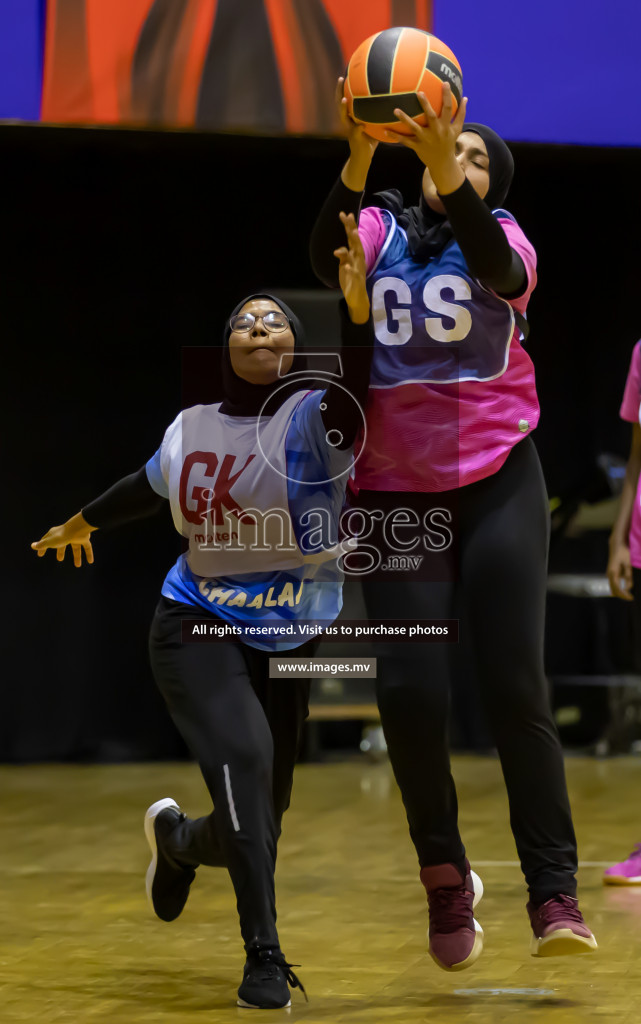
column 632, row 396
column 372, row 230
column 525, row 249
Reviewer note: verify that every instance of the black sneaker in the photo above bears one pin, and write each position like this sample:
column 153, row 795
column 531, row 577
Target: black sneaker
column 266, row 980
column 167, row 881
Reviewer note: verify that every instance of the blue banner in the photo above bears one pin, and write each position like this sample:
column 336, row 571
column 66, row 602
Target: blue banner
column 21, row 52
column 549, row 71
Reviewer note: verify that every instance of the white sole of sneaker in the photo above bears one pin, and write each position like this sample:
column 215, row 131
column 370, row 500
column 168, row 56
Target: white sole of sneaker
column 478, row 888
column 621, row 880
column 150, row 836
column 252, row 1006
column 563, row 942
column 475, row 952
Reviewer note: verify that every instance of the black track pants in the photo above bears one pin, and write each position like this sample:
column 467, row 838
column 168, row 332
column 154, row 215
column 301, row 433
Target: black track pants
column 245, row 732
column 502, row 540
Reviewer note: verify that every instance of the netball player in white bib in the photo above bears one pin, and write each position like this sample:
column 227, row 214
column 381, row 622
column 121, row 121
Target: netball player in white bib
column 256, row 485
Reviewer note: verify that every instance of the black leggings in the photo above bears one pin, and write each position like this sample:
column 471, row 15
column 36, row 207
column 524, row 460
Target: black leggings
column 502, row 540
column 245, row 732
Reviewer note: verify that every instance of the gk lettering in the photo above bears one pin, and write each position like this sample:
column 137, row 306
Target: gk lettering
column 205, row 487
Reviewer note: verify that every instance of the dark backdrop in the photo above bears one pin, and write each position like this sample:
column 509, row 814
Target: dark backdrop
column 119, row 248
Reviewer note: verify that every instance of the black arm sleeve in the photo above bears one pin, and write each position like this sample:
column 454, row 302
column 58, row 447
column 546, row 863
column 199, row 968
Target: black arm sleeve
column 484, row 243
column 133, row 497
column 343, row 412
column 328, row 233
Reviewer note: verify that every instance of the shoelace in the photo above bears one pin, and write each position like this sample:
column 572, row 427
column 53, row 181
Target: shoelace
column 561, row 908
column 270, row 963
column 292, row 980
column 452, row 907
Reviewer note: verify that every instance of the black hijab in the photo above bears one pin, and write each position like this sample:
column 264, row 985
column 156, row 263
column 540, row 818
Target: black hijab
column 428, row 232
column 243, row 398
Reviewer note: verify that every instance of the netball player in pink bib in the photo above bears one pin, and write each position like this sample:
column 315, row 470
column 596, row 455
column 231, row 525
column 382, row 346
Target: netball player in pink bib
column 624, row 565
column 452, row 404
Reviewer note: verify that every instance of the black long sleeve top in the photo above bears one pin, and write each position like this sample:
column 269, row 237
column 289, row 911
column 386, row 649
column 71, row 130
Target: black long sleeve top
column 483, row 242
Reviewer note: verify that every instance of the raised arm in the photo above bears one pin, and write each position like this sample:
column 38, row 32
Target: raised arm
column 130, row 498
column 340, row 413
column 346, row 196
column 483, row 241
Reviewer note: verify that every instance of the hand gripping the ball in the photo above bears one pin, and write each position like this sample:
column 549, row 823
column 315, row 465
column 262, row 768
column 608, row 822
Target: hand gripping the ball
column 435, row 144
column 361, row 146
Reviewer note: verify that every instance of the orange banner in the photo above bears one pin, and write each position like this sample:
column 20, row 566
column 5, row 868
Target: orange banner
column 246, row 65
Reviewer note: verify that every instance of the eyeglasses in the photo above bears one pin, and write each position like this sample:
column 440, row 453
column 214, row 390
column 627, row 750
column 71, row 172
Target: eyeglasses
column 273, row 322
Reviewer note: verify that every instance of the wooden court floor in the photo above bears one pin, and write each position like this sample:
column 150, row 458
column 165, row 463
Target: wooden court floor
column 78, row 942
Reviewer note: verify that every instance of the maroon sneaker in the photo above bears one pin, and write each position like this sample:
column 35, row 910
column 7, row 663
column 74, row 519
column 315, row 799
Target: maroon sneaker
column 559, row 928
column 455, row 938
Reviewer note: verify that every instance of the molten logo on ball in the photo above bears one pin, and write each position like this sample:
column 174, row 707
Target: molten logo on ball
column 389, row 69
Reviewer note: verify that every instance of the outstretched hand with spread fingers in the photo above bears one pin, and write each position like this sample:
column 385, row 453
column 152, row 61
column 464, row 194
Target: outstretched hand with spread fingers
column 74, row 534
column 352, row 271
